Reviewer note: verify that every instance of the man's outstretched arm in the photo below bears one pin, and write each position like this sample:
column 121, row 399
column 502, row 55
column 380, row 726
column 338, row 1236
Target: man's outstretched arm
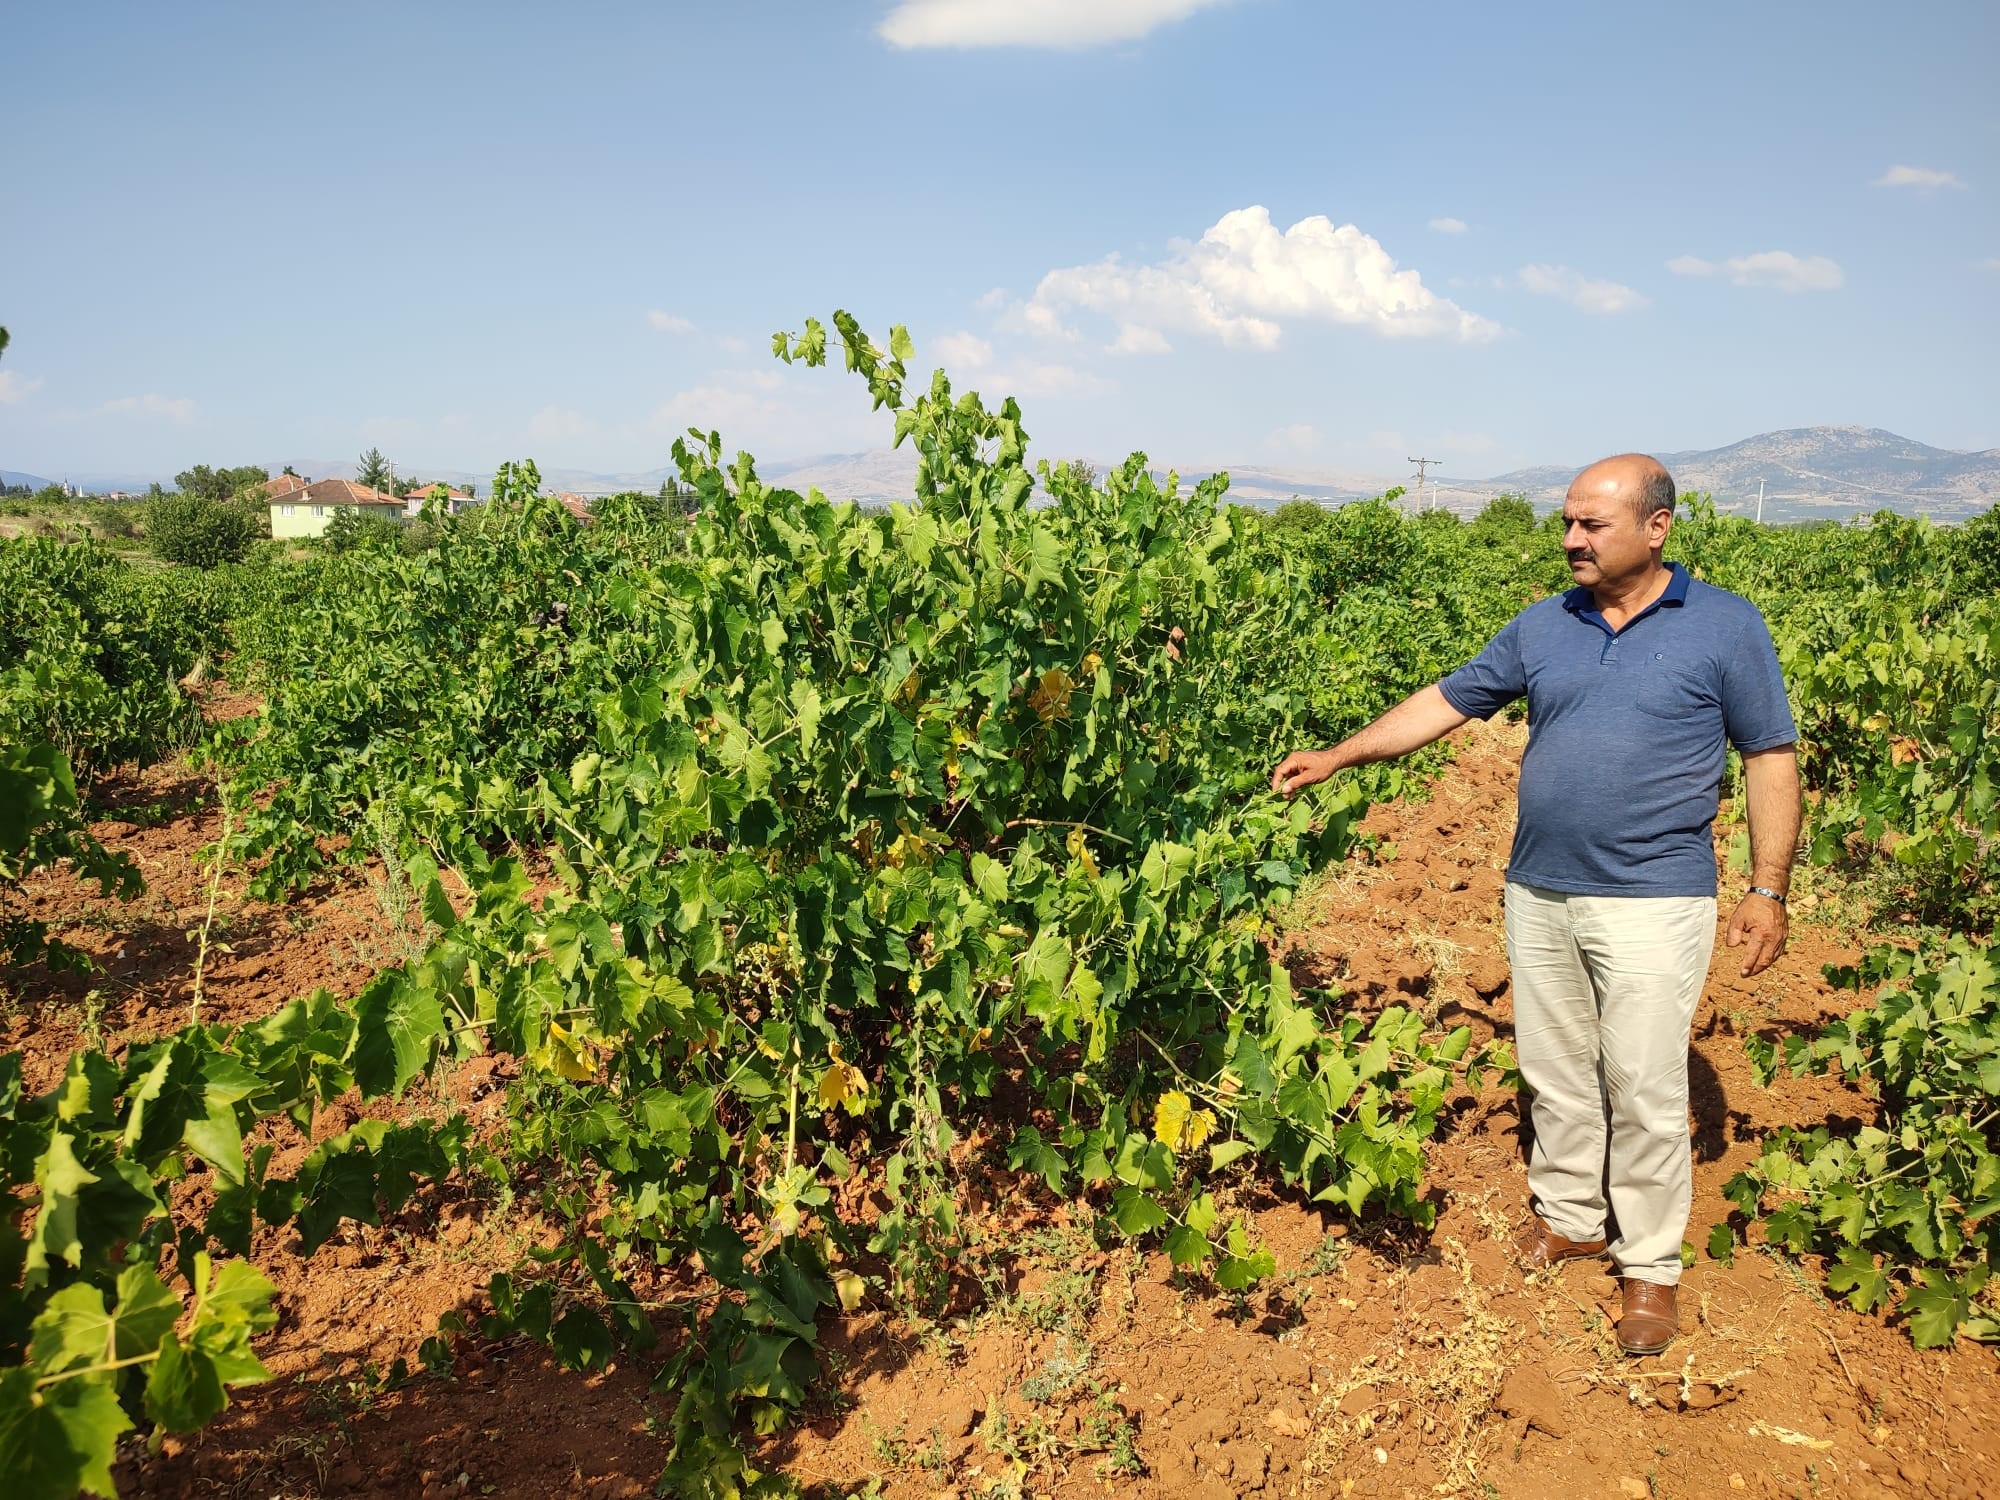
column 1424, row 716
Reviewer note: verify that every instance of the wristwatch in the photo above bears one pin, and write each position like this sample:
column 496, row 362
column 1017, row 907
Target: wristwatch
column 1765, row 890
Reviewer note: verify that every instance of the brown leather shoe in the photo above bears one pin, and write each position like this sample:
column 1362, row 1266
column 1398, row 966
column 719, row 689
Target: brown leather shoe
column 1540, row 1246
column 1651, row 1318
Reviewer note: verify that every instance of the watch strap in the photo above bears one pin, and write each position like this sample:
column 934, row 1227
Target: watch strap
column 1765, row 890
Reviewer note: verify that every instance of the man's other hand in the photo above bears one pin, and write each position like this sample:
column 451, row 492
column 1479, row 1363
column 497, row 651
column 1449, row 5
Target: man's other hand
column 1301, row 769
column 1760, row 924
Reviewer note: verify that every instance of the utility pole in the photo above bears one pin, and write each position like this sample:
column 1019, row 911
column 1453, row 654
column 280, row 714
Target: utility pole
column 1760, row 502
column 1423, row 464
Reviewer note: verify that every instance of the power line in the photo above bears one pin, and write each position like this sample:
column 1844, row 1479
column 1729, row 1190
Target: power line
column 1423, row 464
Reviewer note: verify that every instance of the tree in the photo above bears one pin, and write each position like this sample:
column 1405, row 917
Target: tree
column 220, row 484
column 677, row 499
column 350, row 530
column 1506, row 520
column 291, row 471
column 373, row 470
column 198, row 532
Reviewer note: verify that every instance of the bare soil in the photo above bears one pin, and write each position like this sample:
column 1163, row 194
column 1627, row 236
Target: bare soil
column 1380, row 1361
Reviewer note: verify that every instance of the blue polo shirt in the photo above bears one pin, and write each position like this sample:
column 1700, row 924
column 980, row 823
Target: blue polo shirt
column 1623, row 769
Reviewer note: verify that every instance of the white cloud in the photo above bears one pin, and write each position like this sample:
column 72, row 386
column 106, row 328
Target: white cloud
column 1991, row 265
column 1299, row 437
column 173, row 408
column 1580, row 291
column 963, row 351
column 1029, row 23
column 732, row 343
column 17, row 387
column 1776, row 268
column 1244, row 275
column 554, row 424
column 1048, row 380
column 714, row 407
column 666, row 322
column 1450, row 226
column 1136, row 338
column 1918, row 177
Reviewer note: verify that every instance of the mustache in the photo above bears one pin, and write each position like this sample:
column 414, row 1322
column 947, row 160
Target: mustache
column 1580, row 555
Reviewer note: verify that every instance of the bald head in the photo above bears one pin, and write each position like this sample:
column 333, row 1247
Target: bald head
column 1640, row 481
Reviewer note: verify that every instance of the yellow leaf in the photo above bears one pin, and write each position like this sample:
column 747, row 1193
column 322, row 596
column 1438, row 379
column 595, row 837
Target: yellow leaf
column 1170, row 1118
column 1079, row 849
column 1050, row 699
column 569, row 1055
column 850, row 1288
column 1200, row 1126
column 840, row 1082
column 1091, row 663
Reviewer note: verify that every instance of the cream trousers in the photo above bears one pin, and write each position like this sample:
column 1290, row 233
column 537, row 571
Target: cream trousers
column 1605, row 989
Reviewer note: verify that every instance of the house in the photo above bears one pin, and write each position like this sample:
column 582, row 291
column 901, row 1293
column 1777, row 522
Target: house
column 450, row 501
column 300, row 509
column 578, row 506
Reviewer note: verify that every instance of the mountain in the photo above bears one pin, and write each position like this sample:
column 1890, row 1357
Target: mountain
column 1809, row 473
column 12, row 477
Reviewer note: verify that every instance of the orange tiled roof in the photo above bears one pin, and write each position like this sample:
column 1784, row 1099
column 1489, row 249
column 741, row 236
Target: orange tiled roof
column 337, row 492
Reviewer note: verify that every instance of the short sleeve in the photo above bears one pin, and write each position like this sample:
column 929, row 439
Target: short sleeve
column 1492, row 679
column 1755, row 714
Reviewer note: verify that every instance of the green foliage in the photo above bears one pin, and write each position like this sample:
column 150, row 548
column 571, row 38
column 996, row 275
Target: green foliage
column 372, row 470
column 1902, row 724
column 224, row 484
column 349, row 529
column 1906, row 1210
column 94, row 1334
column 841, row 809
column 199, row 533
column 91, row 651
column 42, row 823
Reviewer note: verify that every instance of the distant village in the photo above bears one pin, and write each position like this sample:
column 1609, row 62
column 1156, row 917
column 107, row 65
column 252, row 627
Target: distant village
column 302, row 507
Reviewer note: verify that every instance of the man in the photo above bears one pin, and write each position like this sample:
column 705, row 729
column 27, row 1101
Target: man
column 1634, row 678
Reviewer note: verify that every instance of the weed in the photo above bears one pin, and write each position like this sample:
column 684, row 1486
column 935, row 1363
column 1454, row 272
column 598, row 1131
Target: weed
column 1059, row 1372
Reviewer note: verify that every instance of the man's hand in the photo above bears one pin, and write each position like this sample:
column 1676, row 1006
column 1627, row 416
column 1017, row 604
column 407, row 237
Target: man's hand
column 1759, row 922
column 1301, row 769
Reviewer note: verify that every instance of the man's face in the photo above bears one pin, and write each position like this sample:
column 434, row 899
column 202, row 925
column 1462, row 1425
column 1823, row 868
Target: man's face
column 1603, row 537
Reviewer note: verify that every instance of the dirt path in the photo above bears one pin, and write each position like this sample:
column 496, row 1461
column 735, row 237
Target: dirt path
column 1379, row 1362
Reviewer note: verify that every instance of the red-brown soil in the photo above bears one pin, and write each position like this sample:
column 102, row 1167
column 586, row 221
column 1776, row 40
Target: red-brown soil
column 1381, row 1361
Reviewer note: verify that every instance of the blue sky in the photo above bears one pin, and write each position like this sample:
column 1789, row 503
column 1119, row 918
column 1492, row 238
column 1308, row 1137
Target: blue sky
column 1285, row 232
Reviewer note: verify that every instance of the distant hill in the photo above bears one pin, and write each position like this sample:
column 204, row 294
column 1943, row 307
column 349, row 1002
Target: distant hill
column 12, row 477
column 1809, row 473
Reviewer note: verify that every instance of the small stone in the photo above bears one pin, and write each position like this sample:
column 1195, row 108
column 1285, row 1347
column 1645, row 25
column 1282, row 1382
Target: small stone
column 1287, row 1421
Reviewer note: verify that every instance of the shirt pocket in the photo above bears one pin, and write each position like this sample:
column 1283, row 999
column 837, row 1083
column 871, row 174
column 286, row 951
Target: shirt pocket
column 1682, row 693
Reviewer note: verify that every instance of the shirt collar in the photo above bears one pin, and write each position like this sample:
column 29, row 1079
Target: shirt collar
column 1577, row 600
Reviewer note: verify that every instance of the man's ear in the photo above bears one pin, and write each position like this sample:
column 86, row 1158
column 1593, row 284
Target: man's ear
column 1658, row 524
